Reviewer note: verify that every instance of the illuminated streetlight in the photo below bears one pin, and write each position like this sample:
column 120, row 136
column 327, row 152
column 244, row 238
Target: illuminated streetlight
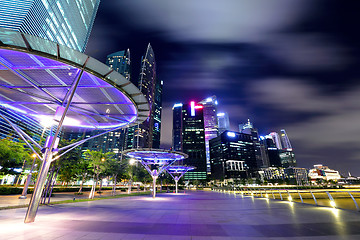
column 132, row 161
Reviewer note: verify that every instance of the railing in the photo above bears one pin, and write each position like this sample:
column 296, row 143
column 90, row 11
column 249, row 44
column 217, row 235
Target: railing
column 336, row 198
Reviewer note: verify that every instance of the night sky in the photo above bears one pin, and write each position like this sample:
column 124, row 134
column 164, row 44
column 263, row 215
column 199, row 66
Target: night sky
column 283, row 64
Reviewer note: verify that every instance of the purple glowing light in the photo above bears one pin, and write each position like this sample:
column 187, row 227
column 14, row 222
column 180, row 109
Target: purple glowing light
column 35, row 86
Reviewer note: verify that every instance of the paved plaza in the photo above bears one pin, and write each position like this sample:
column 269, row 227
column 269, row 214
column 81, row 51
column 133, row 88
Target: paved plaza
column 194, row 215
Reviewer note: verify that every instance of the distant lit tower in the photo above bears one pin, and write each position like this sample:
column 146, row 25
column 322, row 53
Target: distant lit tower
column 114, row 141
column 68, row 23
column 271, row 150
column 189, row 137
column 120, row 62
column 276, row 138
column 248, row 128
column 285, row 140
column 232, row 156
column 286, row 154
column 147, row 134
column 210, row 124
column 177, row 127
column 223, row 122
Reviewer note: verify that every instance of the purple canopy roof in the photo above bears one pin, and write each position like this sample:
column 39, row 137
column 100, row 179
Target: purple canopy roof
column 36, row 76
column 155, row 156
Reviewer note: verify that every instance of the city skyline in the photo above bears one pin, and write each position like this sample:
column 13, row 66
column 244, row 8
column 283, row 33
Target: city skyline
column 293, row 69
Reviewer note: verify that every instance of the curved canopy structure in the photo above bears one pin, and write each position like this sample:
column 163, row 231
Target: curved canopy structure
column 179, row 169
column 58, row 85
column 176, row 172
column 37, row 76
column 155, row 156
column 159, row 158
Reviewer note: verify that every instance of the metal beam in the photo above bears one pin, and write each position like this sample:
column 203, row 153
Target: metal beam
column 16, row 129
column 27, row 79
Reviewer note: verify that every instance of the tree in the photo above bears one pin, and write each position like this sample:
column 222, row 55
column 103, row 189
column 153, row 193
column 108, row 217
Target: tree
column 12, row 154
column 83, row 171
column 115, row 169
column 97, row 162
column 69, row 163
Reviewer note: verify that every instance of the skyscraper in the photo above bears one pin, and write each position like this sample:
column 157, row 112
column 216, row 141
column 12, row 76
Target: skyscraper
column 223, row 122
column 285, row 140
column 66, row 22
column 261, row 157
column 272, row 151
column 232, row 156
column 147, row 134
column 177, row 127
column 120, row 62
column 210, row 124
column 114, row 141
column 277, row 148
column 189, row 136
column 276, row 138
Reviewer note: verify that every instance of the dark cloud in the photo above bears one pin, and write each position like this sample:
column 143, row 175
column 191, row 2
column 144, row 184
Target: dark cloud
column 283, row 64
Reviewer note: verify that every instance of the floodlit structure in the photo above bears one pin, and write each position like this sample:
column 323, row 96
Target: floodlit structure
column 176, row 172
column 53, row 83
column 66, row 22
column 155, row 161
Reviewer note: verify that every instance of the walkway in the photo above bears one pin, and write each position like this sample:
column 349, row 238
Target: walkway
column 195, row 215
column 13, row 200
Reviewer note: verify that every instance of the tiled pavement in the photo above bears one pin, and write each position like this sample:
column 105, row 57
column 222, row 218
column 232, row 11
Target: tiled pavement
column 194, row 215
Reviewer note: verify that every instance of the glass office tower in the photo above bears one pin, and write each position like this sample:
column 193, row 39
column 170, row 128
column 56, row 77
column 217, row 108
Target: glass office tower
column 66, row 22
column 189, row 137
column 232, row 156
column 210, row 124
column 147, row 134
column 114, row 141
column 223, row 122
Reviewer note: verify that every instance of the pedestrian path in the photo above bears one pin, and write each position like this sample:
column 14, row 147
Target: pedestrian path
column 193, row 215
column 13, row 200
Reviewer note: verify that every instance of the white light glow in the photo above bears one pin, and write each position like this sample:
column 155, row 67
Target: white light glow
column 177, row 105
column 192, row 105
column 231, row 134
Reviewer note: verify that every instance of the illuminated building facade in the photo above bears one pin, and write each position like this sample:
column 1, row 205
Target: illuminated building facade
column 210, row 125
column 223, row 122
column 177, row 127
column 285, row 140
column 262, row 159
column 276, row 139
column 147, row 134
column 189, row 137
column 120, row 62
column 321, row 172
column 68, row 23
column 279, row 149
column 112, row 141
column 271, row 150
column 25, row 123
column 232, row 156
